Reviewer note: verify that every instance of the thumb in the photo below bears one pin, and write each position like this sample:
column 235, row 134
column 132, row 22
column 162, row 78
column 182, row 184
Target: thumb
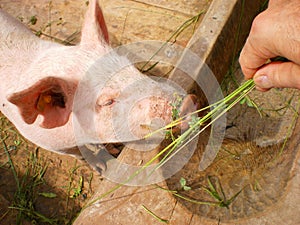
column 278, row 74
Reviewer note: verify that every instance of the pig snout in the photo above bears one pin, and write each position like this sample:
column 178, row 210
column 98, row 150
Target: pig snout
column 153, row 113
column 149, row 115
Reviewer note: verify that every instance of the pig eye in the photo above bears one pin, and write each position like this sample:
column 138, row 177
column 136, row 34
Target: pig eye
column 109, row 102
column 104, row 104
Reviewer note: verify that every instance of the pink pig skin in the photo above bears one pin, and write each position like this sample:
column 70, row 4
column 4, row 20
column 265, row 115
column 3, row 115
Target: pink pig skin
column 39, row 80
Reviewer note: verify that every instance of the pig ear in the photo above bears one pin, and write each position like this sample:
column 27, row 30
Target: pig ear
column 47, row 97
column 94, row 29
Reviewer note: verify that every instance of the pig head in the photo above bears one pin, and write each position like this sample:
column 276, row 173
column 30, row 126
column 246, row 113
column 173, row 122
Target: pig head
column 40, row 81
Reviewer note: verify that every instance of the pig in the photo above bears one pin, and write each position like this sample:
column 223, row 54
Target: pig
column 40, row 80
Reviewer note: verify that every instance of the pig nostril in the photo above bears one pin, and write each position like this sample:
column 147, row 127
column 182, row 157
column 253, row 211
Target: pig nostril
column 189, row 104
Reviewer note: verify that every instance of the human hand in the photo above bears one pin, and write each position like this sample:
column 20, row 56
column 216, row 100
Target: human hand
column 274, row 32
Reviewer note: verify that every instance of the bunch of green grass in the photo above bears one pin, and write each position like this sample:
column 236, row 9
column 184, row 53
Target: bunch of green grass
column 26, row 193
column 199, row 124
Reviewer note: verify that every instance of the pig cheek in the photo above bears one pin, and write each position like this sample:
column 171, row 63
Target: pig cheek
column 103, row 124
column 139, row 123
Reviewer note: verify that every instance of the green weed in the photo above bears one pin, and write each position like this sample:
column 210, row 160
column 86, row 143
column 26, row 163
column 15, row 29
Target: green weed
column 183, row 185
column 154, row 215
column 27, row 189
column 215, row 191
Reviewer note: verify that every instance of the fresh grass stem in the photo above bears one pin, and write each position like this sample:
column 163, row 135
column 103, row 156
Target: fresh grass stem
column 154, row 215
column 11, row 165
column 290, row 128
column 174, row 37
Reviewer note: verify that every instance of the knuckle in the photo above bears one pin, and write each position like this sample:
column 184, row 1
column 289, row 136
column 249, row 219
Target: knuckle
column 263, row 28
column 258, row 24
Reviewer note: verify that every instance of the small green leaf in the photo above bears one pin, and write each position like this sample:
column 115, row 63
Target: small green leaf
column 243, row 101
column 78, row 190
column 249, row 102
column 33, row 20
column 186, row 188
column 48, row 194
column 182, row 182
column 17, row 142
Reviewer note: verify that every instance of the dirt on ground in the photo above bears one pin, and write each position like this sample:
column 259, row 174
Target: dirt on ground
column 39, row 186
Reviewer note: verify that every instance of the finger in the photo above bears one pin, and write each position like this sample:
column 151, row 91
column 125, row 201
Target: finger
column 250, row 60
column 278, row 74
column 259, row 47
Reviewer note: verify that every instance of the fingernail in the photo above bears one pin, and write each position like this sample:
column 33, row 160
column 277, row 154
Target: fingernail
column 263, row 81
